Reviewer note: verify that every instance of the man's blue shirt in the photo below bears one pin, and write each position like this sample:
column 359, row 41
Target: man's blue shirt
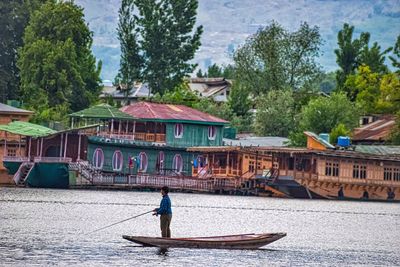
column 165, row 206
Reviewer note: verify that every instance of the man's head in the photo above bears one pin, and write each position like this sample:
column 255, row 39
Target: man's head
column 164, row 190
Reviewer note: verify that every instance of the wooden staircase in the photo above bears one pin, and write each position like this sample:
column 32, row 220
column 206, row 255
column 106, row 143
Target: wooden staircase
column 23, row 172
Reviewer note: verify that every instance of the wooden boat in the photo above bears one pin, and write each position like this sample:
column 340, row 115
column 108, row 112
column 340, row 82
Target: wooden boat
column 243, row 241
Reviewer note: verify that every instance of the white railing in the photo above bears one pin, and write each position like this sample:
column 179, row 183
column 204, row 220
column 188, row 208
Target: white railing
column 15, row 159
column 52, row 159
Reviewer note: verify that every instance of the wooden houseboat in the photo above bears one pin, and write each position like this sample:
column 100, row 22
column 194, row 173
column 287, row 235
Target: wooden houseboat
column 10, row 145
column 318, row 171
column 148, row 138
column 46, row 160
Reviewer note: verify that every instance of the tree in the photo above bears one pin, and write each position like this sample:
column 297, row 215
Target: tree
column 348, row 55
column 239, row 100
column 374, row 58
column 395, row 133
column 13, row 20
column 276, row 59
column 56, row 62
column 275, row 114
column 164, row 37
column 323, row 114
column 214, row 71
column 396, row 55
column 339, row 130
column 131, row 62
column 200, row 74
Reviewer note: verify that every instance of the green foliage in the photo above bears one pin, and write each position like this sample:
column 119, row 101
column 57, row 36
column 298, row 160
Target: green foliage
column 375, row 93
column 214, row 71
column 339, row 130
column 276, row 59
column 374, row 58
column 275, row 114
column 323, row 114
column 327, row 82
column 395, row 134
column 180, row 95
column 56, row 63
column 348, row 55
column 160, row 35
column 239, row 101
column 131, row 62
column 395, row 58
column 199, row 74
column 13, row 20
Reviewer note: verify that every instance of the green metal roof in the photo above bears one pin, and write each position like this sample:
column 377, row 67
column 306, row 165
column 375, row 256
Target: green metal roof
column 102, row 111
column 378, row 150
column 27, row 129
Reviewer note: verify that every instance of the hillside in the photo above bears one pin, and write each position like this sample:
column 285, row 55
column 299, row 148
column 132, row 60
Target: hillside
column 228, row 23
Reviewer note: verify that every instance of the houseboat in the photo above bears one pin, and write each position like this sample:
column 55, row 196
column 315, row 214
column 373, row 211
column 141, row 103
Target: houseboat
column 318, row 171
column 146, row 138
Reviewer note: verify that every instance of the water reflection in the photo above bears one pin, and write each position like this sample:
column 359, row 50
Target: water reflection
column 162, row 252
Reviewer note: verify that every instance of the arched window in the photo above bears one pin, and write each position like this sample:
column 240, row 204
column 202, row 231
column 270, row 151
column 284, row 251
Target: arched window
column 160, row 162
column 177, row 163
column 143, row 162
column 212, row 132
column 117, row 161
column 98, row 158
column 178, row 130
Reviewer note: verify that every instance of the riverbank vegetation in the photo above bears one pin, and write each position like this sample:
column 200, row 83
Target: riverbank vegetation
column 278, row 86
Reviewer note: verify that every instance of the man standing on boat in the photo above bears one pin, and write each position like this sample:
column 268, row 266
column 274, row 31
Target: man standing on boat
column 165, row 211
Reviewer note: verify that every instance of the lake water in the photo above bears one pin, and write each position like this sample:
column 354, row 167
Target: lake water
column 47, row 227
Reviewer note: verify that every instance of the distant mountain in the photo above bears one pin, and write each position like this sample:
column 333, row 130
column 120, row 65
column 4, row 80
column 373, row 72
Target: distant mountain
column 228, row 23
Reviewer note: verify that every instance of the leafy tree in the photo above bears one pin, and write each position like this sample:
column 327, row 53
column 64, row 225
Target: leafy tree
column 131, row 62
column 239, row 100
column 339, row 130
column 389, row 97
column 275, row 58
column 13, row 20
column 374, row 58
column 348, row 55
column 396, row 55
column 395, row 134
column 180, row 95
column 275, row 114
column 214, row 71
column 56, row 62
column 200, row 74
column 322, row 115
column 163, row 32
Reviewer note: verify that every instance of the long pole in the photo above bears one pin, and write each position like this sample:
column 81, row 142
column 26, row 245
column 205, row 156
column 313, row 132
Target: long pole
column 120, row 222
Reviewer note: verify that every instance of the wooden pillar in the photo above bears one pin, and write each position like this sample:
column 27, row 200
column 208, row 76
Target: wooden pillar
column 37, row 146
column 256, row 167
column 19, row 146
column 227, row 164
column 5, row 144
column 41, row 147
column 72, row 122
column 79, row 146
column 29, row 150
column 134, row 129
column 61, row 145
column 66, row 143
column 119, row 127
column 126, row 127
column 112, row 126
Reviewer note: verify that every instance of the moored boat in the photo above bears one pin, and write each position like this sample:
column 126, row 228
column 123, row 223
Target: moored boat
column 242, row 241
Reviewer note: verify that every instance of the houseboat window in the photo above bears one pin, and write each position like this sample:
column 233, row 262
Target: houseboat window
column 143, row 162
column 117, row 161
column 251, row 166
column 332, row 168
column 160, row 162
column 98, row 158
column 178, row 130
column 387, row 174
column 396, row 174
column 212, row 132
column 11, row 151
column 359, row 171
column 177, row 163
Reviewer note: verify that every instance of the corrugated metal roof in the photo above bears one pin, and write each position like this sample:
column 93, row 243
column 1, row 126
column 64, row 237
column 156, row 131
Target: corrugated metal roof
column 376, row 131
column 10, row 109
column 319, row 140
column 27, row 129
column 257, row 141
column 102, row 111
column 169, row 112
column 379, row 150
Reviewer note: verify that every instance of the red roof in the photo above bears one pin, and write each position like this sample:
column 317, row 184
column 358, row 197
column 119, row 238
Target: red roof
column 377, row 130
column 169, row 112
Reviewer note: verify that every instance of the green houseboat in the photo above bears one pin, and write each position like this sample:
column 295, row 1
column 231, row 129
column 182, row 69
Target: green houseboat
column 148, row 138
